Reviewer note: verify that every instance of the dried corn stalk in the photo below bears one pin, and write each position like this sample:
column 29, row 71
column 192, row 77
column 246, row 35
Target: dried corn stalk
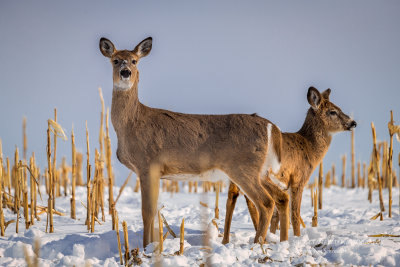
column 88, row 171
column 216, row 201
column 315, row 217
column 50, row 181
column 390, row 159
column 376, row 167
column 57, row 129
column 160, row 233
column 344, row 171
column 125, row 229
column 118, row 236
column 320, row 183
column 109, row 166
column 1, row 191
column 353, row 161
column 73, row 175
column 182, row 237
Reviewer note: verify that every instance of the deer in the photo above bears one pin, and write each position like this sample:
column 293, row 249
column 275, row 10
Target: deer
column 300, row 153
column 161, row 144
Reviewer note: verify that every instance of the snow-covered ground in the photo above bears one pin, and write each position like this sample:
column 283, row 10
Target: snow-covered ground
column 342, row 237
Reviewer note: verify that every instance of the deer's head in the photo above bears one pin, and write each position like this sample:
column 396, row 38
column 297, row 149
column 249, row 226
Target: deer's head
column 124, row 62
column 332, row 117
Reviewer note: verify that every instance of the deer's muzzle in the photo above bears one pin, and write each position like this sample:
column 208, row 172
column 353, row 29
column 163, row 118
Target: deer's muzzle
column 353, row 124
column 125, row 73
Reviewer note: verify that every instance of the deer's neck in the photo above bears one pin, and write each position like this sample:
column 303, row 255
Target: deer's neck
column 314, row 131
column 125, row 106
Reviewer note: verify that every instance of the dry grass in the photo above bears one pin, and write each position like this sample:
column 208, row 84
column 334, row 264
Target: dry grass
column 73, row 175
column 182, row 237
column 314, row 222
column 320, row 183
column 376, row 167
column 353, row 161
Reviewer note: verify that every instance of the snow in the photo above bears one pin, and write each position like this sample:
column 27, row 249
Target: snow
column 341, row 238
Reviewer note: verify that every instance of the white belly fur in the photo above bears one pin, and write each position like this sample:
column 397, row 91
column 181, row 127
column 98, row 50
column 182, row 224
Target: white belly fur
column 213, row 175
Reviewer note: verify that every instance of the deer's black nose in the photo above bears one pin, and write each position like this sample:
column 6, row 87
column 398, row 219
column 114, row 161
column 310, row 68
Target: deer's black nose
column 125, row 73
column 353, row 124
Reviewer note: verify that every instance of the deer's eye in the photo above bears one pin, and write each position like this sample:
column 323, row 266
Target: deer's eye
column 116, row 61
column 333, row 113
column 133, row 62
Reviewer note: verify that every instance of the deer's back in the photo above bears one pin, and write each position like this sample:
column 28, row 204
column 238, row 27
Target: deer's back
column 170, row 138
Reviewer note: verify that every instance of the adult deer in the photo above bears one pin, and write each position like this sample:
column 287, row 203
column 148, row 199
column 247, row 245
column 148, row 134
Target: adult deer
column 157, row 143
column 300, row 153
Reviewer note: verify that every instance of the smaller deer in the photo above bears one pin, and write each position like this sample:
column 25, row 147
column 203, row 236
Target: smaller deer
column 300, row 153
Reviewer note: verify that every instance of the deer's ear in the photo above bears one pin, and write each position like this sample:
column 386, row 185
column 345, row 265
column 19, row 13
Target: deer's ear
column 143, row 48
column 325, row 94
column 107, row 48
column 314, row 97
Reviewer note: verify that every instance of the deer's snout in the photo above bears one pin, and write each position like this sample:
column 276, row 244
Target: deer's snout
column 353, row 124
column 125, row 73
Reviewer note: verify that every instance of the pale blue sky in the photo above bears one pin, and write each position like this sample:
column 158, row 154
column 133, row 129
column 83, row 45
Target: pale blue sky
column 208, row 57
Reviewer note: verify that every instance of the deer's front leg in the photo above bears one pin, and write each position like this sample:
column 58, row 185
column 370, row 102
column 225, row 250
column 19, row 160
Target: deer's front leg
column 274, row 221
column 296, row 194
column 149, row 185
column 233, row 194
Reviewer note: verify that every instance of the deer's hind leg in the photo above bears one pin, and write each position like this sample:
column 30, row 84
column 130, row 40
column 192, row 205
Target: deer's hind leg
column 281, row 199
column 249, row 182
column 253, row 212
column 233, row 194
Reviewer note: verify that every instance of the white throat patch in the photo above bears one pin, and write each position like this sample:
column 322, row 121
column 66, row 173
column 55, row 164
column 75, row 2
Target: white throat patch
column 123, row 85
